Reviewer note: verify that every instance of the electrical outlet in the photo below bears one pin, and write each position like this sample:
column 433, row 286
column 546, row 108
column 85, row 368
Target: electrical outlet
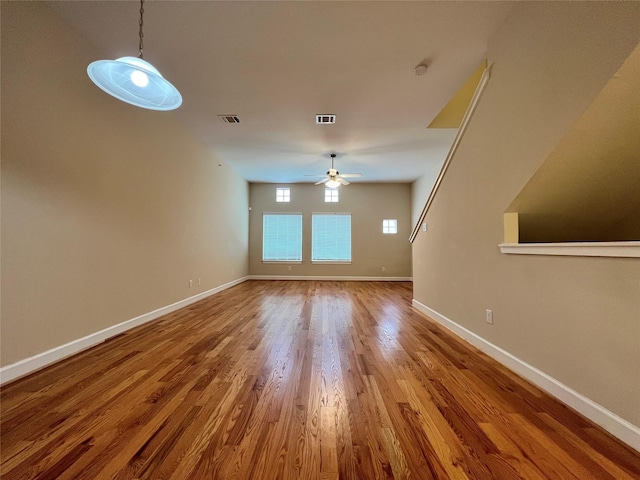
column 384, row 269
column 289, row 268
column 490, row 317
column 190, row 283
column 424, row 227
column 199, row 281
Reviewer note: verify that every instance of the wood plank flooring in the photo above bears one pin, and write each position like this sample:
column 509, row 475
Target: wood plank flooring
column 295, row 380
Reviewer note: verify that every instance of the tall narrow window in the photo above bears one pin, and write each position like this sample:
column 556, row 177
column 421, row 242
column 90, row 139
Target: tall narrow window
column 390, row 226
column 330, row 195
column 283, row 194
column 282, row 237
column 331, row 237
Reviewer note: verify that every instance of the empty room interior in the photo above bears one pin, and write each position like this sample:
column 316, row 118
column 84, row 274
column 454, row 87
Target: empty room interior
column 320, row 240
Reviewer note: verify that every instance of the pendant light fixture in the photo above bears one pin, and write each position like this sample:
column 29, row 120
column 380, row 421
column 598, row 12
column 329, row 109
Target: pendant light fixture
column 134, row 80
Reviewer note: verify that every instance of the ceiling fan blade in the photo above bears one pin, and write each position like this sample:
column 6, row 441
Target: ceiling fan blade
column 322, row 181
column 317, row 176
column 350, row 175
column 342, row 181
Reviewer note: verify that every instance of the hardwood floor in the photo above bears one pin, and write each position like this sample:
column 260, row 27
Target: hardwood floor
column 295, row 380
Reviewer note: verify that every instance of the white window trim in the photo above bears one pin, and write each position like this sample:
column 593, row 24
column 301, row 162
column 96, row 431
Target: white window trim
column 280, row 262
column 287, row 197
column 395, row 225
column 331, row 262
column 574, row 249
column 333, row 192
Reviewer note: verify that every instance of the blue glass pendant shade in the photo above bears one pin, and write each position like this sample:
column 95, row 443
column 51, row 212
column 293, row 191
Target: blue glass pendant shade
column 135, row 81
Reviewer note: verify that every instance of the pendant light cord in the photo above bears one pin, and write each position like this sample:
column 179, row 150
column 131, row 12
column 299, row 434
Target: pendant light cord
column 141, row 45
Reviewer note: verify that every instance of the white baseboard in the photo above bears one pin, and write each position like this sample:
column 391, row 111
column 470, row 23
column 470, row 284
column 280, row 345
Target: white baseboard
column 331, row 277
column 619, row 427
column 41, row 360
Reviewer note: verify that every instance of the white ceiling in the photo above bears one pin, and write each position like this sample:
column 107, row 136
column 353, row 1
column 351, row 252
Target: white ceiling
column 277, row 64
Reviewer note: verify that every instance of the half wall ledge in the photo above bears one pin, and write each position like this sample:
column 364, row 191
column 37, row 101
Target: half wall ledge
column 574, row 249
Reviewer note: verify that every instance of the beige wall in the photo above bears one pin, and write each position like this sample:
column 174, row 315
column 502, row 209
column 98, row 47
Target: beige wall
column 107, row 210
column 579, row 193
column 628, row 227
column 420, row 191
column 442, row 139
column 576, row 319
column 368, row 204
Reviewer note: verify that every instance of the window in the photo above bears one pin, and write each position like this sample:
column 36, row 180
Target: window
column 283, row 194
column 330, row 195
column 331, row 237
column 282, row 237
column 390, row 226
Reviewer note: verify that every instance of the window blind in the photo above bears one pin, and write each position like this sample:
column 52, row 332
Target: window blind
column 331, row 237
column 281, row 237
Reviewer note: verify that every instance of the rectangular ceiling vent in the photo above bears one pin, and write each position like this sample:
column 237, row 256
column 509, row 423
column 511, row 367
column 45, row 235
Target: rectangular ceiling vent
column 325, row 119
column 229, row 118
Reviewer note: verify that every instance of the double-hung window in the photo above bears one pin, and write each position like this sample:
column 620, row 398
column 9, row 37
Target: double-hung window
column 282, row 237
column 331, row 237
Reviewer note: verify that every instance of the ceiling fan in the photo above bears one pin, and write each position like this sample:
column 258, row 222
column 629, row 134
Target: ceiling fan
column 333, row 178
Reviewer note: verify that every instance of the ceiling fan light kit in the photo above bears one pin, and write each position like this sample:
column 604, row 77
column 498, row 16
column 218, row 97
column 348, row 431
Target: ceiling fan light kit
column 333, row 178
column 135, row 81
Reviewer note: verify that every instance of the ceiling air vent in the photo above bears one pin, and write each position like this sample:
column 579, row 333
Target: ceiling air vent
column 229, row 118
column 325, row 119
